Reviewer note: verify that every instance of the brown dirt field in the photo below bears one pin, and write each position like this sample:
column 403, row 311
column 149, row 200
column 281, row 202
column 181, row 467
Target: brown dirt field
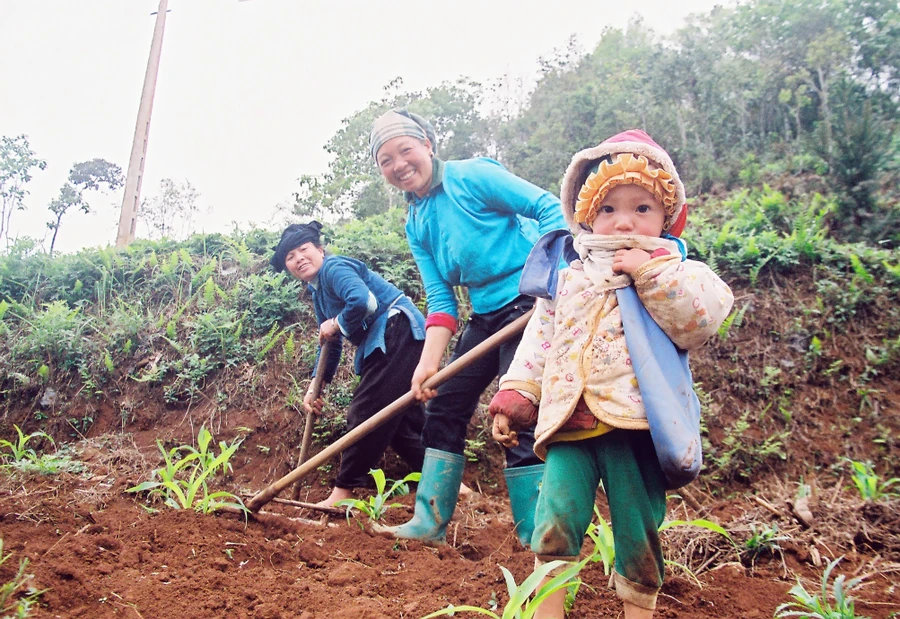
column 101, row 552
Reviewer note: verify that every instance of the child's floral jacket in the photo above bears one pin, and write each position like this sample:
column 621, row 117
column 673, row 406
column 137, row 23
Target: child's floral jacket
column 574, row 346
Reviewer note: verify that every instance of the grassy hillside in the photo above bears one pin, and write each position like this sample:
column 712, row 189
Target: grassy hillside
column 132, row 336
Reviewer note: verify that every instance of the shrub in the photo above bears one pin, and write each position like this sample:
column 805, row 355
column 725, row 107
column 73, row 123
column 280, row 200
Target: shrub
column 380, row 242
column 268, row 298
column 54, row 336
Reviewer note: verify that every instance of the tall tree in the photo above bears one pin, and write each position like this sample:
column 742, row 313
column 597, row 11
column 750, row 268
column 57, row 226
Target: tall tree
column 17, row 161
column 169, row 213
column 93, row 175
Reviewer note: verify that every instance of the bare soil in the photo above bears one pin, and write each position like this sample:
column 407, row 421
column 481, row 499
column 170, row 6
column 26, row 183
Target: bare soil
column 101, row 552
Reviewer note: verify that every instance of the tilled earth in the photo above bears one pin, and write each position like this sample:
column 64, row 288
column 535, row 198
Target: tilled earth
column 101, row 552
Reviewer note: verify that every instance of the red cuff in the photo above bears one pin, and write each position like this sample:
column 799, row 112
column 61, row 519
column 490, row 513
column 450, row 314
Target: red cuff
column 441, row 319
column 660, row 252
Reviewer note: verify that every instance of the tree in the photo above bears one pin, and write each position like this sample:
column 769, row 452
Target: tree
column 84, row 176
column 17, row 160
column 170, row 213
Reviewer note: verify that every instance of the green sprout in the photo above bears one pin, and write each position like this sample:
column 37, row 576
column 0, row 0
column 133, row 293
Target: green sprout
column 18, row 452
column 375, row 506
column 807, row 605
column 16, row 597
column 521, row 605
column 182, row 481
column 867, row 482
column 19, row 456
column 604, row 548
column 762, row 541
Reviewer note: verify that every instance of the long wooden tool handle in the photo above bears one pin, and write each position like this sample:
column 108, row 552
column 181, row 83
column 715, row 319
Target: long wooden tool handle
column 506, row 333
column 316, row 388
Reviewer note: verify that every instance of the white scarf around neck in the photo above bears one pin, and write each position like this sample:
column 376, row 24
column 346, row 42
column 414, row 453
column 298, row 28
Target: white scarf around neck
column 598, row 250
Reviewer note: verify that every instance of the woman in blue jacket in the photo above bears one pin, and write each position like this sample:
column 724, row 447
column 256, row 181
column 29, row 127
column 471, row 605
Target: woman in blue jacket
column 471, row 223
column 354, row 303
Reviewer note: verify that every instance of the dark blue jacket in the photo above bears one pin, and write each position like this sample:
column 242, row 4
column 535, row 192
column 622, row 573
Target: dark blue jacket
column 360, row 299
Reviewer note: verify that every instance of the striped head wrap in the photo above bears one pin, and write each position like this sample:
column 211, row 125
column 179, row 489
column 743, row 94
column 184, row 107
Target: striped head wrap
column 396, row 123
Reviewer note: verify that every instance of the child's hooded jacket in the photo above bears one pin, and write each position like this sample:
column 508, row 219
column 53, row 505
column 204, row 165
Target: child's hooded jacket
column 574, row 354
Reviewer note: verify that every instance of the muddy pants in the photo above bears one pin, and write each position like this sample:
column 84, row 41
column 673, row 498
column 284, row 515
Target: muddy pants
column 448, row 414
column 626, row 463
column 385, row 377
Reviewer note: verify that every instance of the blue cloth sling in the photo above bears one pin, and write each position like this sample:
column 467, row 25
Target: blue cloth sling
column 662, row 369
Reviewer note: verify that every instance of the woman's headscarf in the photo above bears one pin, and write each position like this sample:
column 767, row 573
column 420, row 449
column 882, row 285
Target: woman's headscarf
column 294, row 236
column 397, row 123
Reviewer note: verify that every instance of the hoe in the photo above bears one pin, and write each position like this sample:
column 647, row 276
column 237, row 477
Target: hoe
column 269, row 493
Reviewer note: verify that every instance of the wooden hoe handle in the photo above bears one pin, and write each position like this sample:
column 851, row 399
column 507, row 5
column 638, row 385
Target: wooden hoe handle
column 316, row 388
column 509, row 331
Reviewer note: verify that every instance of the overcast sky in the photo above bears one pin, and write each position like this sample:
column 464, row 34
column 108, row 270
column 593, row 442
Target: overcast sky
column 249, row 92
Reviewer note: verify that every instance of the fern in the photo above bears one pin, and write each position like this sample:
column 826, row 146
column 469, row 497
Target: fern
column 290, row 347
column 734, row 320
column 860, row 269
column 272, row 338
column 892, row 269
column 209, row 291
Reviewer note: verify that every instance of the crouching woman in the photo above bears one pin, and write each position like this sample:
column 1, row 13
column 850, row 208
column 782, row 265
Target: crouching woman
column 388, row 331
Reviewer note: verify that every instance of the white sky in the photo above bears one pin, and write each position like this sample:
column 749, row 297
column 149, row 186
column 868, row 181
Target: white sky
column 249, row 92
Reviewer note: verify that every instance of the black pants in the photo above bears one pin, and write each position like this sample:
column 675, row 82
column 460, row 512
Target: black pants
column 449, row 413
column 385, row 377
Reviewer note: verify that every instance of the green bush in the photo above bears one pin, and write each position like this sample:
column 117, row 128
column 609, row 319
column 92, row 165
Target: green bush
column 380, row 242
column 55, row 336
column 269, row 298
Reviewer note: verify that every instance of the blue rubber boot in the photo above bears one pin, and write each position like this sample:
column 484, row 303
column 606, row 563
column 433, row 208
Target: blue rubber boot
column 523, row 484
column 442, row 474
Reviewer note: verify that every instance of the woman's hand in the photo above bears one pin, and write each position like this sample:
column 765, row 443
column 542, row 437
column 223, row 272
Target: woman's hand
column 423, row 372
column 329, row 331
column 629, row 260
column 313, row 404
column 436, row 341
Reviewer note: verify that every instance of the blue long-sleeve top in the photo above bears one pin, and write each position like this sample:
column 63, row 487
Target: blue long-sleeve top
column 474, row 228
column 362, row 302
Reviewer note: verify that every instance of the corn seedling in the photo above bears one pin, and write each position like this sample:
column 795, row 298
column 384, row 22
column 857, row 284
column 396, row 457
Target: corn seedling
column 375, row 506
column 807, row 605
column 182, row 480
column 699, row 522
column 16, row 597
column 26, row 460
column 762, row 541
column 521, row 605
column 207, row 457
column 867, row 482
column 18, row 452
column 604, row 548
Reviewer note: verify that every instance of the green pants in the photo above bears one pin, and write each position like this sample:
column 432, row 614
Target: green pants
column 626, row 463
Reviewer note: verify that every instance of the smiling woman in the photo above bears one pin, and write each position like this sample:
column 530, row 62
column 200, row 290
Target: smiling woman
column 471, row 223
column 354, row 303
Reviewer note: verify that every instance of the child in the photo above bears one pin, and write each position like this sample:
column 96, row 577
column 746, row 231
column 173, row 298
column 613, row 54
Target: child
column 591, row 425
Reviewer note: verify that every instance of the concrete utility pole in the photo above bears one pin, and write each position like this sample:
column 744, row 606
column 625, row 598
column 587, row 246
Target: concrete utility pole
column 128, row 216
